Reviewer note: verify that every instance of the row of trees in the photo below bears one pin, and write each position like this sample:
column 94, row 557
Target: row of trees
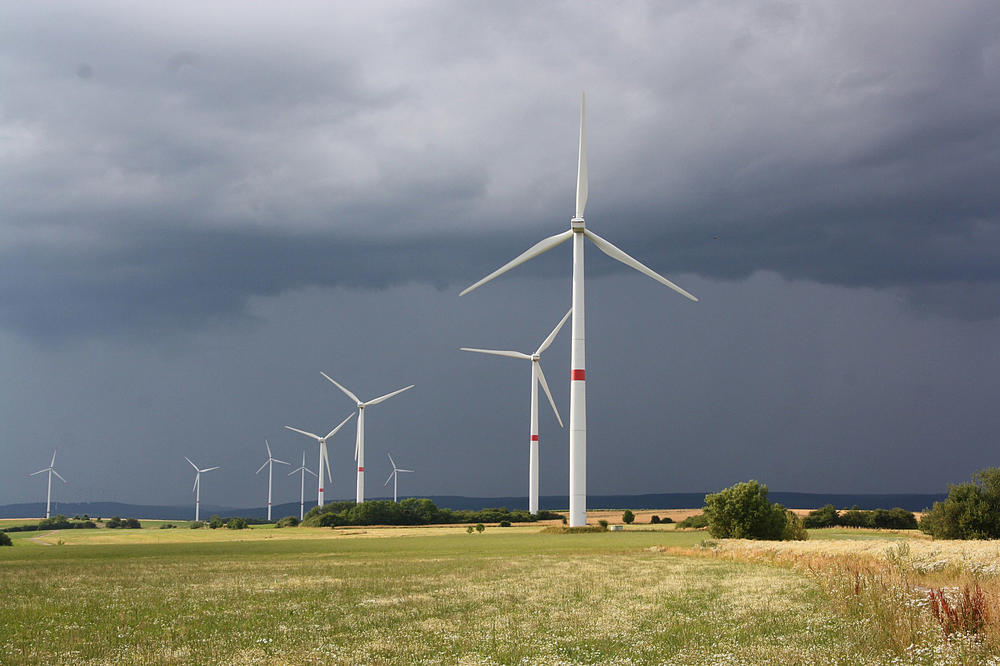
column 411, row 511
column 886, row 519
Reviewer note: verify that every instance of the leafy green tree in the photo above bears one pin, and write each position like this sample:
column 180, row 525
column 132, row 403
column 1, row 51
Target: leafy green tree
column 603, row 523
column 5, row 540
column 628, row 517
column 480, row 527
column 823, row 517
column 236, row 524
column 743, row 511
column 971, row 510
column 654, row 519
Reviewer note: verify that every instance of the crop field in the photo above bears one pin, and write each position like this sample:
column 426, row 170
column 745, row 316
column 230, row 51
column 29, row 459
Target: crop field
column 507, row 596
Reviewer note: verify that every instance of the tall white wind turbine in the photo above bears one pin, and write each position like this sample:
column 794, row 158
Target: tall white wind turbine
column 197, row 487
column 51, row 469
column 359, row 446
column 324, row 459
column 577, row 387
column 269, row 464
column 394, row 476
column 537, row 377
column 302, row 490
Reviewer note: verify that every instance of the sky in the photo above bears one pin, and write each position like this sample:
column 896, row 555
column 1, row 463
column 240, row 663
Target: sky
column 204, row 205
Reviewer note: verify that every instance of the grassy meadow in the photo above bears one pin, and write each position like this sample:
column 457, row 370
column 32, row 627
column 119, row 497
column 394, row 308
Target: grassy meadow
column 442, row 596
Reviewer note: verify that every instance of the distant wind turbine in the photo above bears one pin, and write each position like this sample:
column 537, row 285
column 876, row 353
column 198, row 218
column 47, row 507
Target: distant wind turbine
column 302, row 489
column 51, row 469
column 394, row 476
column 269, row 464
column 359, row 446
column 323, row 457
column 577, row 386
column 197, row 487
column 537, row 377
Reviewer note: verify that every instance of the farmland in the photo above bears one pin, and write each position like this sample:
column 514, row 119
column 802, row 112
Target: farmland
column 441, row 595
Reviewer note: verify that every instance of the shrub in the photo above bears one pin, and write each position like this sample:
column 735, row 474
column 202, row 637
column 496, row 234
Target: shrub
column 504, row 523
column 132, row 524
column 654, row 520
column 743, row 511
column 824, row 517
column 469, row 529
column 215, row 522
column 123, row 523
column 971, row 510
column 287, row 521
column 854, row 517
column 794, row 530
column 5, row 540
column 480, row 527
column 196, row 524
column 56, row 522
column 167, row 526
column 603, row 523
column 697, row 521
column 666, row 519
column 628, row 517
column 236, row 524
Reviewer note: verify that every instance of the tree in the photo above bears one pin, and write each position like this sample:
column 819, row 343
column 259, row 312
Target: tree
column 824, row 517
column 628, row 517
column 5, row 540
column 480, row 527
column 236, row 524
column 743, row 511
column 654, row 519
column 971, row 510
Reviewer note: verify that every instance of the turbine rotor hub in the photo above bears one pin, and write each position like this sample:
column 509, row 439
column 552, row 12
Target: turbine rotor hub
column 577, row 224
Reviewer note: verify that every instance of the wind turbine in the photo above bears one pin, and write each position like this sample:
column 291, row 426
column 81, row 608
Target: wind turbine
column 394, row 477
column 577, row 386
column 51, row 469
column 302, row 490
column 537, row 377
column 197, row 488
column 269, row 464
column 359, row 446
column 323, row 458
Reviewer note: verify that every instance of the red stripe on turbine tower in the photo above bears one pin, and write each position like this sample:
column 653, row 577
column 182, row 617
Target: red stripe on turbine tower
column 361, row 469
column 579, row 375
column 534, row 438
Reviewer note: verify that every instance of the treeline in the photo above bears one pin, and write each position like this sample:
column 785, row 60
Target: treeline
column 57, row 522
column 411, row 511
column 971, row 510
column 884, row 519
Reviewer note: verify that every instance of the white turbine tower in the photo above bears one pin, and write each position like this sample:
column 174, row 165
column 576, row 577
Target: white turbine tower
column 577, row 387
column 537, row 377
column 394, row 477
column 323, row 457
column 302, row 489
column 51, row 469
column 197, row 487
column 359, row 446
column 269, row 464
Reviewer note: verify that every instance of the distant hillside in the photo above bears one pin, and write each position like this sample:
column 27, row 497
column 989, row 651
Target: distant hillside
column 911, row 502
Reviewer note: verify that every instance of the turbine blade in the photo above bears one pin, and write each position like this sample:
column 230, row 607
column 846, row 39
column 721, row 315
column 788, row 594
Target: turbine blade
column 268, row 448
column 280, row 462
column 581, row 172
column 334, row 431
column 39, row 471
column 404, row 470
column 314, row 473
column 497, row 352
column 60, row 476
column 262, row 466
column 189, row 460
column 389, row 479
column 209, row 469
column 554, row 333
column 305, row 432
column 391, row 461
column 388, row 395
column 297, row 470
column 326, row 461
column 53, row 463
column 357, row 444
column 350, row 395
column 533, row 251
column 195, row 486
column 615, row 253
column 545, row 387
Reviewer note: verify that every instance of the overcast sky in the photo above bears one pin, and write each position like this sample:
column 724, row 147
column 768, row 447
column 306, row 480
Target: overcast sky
column 203, row 205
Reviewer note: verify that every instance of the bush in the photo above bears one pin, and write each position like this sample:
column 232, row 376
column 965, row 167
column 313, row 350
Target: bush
column 469, row 529
column 287, row 521
column 123, row 523
column 5, row 540
column 196, row 524
column 971, row 510
column 603, row 523
column 666, row 520
column 743, row 511
column 215, row 522
column 480, row 527
column 167, row 526
column 856, row 518
column 794, row 530
column 654, row 520
column 628, row 517
column 698, row 521
column 236, row 524
column 825, row 517
column 504, row 523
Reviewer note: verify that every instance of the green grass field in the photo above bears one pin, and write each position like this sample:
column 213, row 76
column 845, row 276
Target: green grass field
column 408, row 596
